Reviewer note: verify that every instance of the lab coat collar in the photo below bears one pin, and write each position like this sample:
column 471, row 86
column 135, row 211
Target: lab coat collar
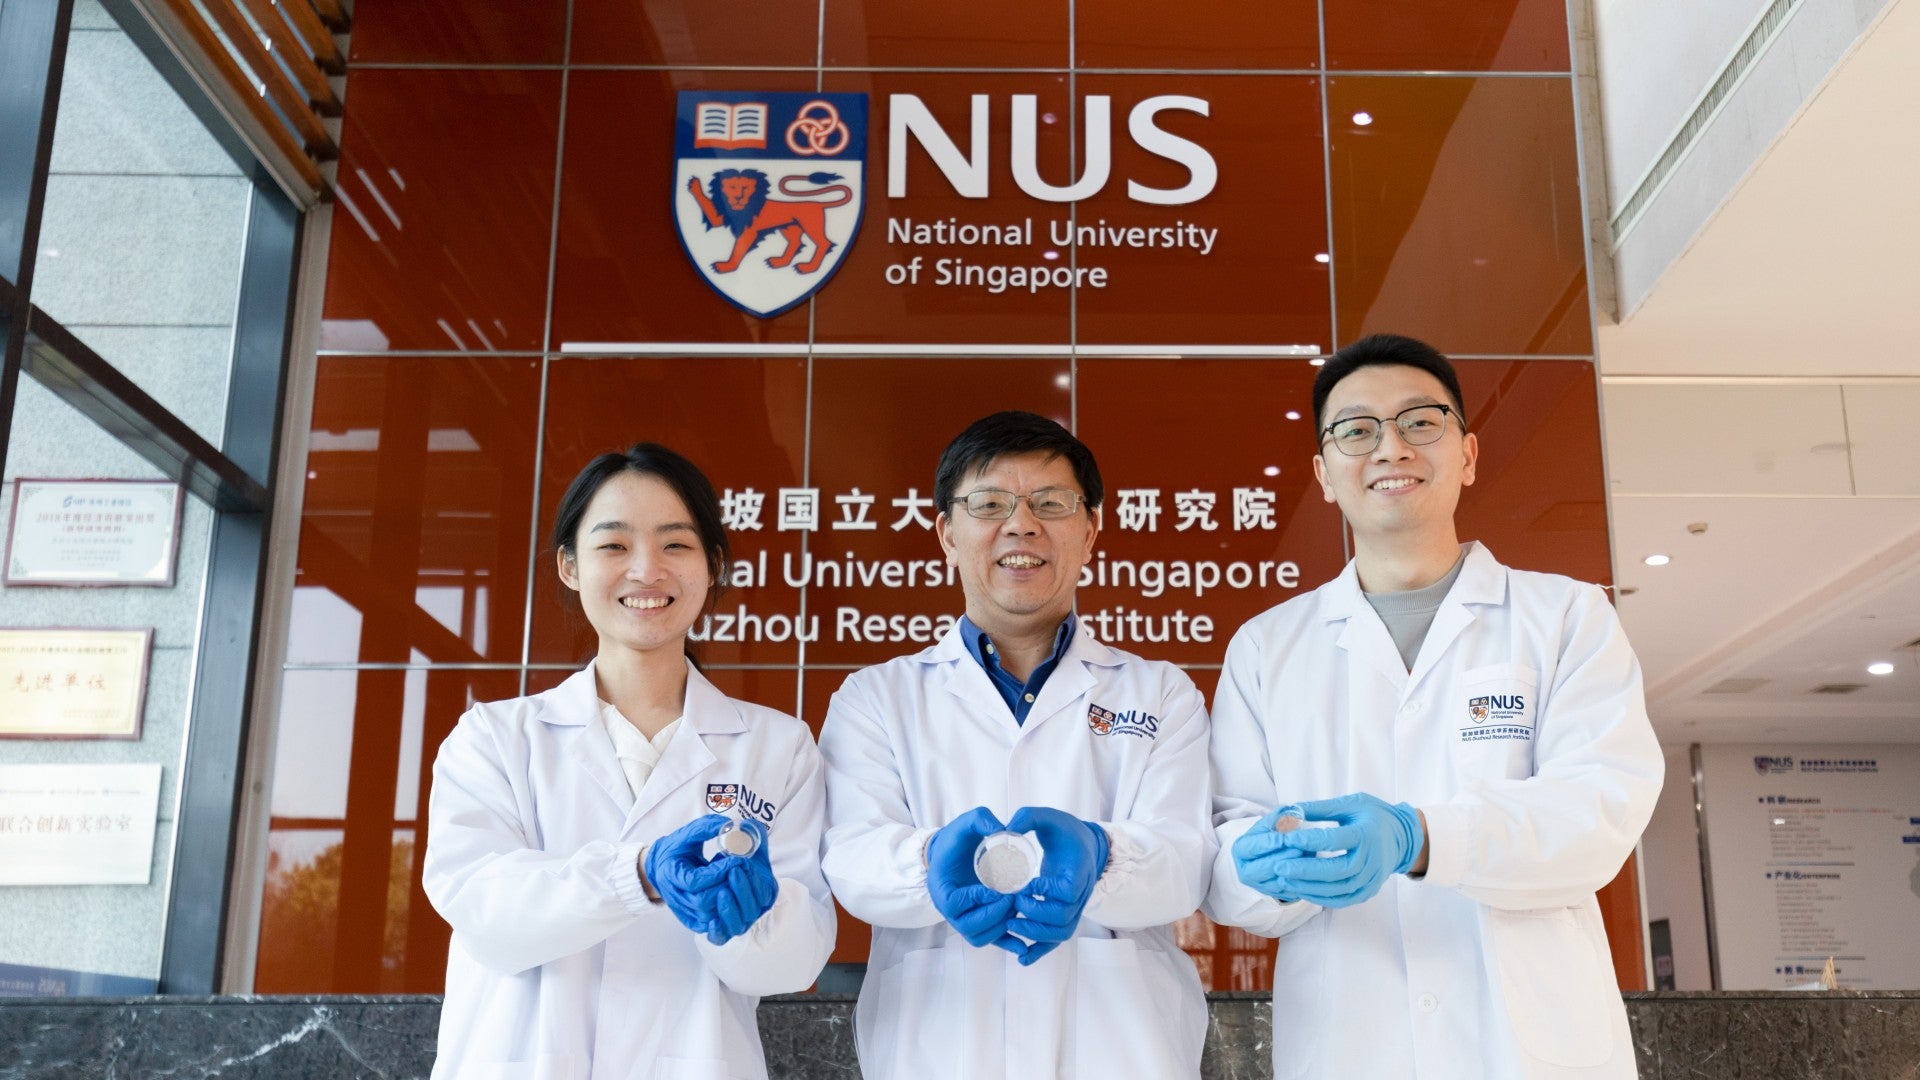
column 576, row 702
column 1482, row 580
column 1070, row 679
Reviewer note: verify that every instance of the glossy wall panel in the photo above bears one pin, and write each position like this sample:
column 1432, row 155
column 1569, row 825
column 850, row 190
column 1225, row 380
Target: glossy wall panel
column 1455, row 216
column 413, row 532
column 1435, row 35
column 1255, row 185
column 440, row 239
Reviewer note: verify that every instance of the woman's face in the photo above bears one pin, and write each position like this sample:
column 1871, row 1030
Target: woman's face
column 638, row 565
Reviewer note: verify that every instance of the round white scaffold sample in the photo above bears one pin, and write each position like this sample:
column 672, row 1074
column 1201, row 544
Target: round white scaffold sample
column 738, row 840
column 1006, row 861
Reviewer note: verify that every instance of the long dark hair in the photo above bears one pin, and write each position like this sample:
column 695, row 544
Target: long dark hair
column 683, row 476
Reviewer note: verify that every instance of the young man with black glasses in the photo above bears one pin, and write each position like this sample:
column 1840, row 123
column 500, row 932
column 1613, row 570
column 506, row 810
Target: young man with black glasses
column 1473, row 741
column 1018, row 721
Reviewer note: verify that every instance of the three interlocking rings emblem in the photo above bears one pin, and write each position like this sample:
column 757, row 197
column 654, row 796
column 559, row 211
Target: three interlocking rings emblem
column 818, row 130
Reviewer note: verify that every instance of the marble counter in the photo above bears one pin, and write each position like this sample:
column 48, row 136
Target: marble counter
column 1848, row 1035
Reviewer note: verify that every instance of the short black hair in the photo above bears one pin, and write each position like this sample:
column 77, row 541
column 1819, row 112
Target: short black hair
column 1376, row 350
column 1004, row 433
column 683, row 476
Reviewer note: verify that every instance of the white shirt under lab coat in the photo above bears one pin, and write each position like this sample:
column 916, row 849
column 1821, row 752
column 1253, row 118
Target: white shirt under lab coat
column 915, row 742
column 560, row 967
column 1522, row 734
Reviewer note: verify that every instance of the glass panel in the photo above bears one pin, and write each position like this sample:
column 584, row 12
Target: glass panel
column 441, row 237
column 1456, row 216
column 1268, row 211
column 986, row 33
column 454, row 32
column 145, row 222
column 1447, row 35
column 113, row 930
column 1212, row 34
column 675, row 32
column 413, row 539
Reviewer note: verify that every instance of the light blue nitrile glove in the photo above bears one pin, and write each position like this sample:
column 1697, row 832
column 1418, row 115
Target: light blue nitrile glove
column 1380, row 839
column 1261, row 857
column 746, row 891
column 681, row 873
column 980, row 914
column 1073, row 856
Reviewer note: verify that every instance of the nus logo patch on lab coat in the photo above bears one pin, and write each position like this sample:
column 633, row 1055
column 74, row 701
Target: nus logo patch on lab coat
column 726, row 798
column 1132, row 722
column 1495, row 717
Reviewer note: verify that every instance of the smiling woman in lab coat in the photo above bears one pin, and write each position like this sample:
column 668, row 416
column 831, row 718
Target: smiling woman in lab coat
column 591, row 935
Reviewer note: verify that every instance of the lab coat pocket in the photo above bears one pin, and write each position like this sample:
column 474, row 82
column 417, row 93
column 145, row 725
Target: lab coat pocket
column 1299, row 998
column 1121, row 1028
column 901, row 1026
column 1494, row 721
column 1559, row 998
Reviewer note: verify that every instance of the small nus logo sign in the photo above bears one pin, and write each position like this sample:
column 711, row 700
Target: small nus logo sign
column 1132, row 722
column 768, row 190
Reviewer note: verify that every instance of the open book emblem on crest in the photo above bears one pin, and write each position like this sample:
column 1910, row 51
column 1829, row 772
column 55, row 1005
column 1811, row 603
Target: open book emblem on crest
column 768, row 191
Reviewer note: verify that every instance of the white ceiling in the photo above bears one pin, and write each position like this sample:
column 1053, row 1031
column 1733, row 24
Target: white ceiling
column 1809, row 266
column 1810, row 566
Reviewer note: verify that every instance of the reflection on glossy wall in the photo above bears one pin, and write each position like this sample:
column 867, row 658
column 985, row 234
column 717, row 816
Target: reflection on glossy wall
column 508, row 295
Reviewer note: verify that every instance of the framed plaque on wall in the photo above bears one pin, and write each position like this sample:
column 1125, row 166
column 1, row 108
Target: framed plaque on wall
column 93, row 532
column 64, row 683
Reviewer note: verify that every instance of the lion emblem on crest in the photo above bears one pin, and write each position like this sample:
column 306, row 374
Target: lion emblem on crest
column 739, row 201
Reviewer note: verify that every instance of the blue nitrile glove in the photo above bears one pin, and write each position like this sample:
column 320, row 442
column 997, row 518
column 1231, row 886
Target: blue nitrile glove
column 1262, row 857
column 980, row 914
column 1073, row 856
column 1380, row 839
column 683, row 876
column 746, row 891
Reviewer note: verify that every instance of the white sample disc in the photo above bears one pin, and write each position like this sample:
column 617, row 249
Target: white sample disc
column 1006, row 861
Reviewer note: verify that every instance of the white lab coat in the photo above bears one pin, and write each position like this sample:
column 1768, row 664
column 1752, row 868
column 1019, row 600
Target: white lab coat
column 1494, row 965
column 915, row 742
column 561, row 968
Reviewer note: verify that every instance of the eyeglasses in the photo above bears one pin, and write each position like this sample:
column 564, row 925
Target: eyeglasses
column 1357, row 435
column 1048, row 504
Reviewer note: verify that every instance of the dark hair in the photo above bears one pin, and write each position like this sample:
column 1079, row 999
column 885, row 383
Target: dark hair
column 1380, row 349
column 1004, row 433
column 650, row 459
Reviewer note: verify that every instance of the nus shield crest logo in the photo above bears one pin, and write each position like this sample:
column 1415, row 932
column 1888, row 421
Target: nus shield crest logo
column 768, row 191
column 722, row 797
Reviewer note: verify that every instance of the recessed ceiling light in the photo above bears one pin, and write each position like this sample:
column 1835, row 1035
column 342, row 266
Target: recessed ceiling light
column 1271, row 470
column 1657, row 560
column 1363, row 118
column 1323, row 257
column 1318, row 361
column 1293, row 414
column 1879, row 667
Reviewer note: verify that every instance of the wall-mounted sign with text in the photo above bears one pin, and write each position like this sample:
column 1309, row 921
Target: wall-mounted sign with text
column 73, row 684
column 78, row 824
column 93, row 532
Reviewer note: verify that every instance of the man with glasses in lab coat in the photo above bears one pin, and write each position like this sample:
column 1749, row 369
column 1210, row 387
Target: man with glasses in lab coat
column 1019, row 722
column 1471, row 742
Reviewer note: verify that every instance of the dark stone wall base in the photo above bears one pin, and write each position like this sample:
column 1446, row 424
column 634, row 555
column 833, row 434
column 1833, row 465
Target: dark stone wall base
column 1696, row 1036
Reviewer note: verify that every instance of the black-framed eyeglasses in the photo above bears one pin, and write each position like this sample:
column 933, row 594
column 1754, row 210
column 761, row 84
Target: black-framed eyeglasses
column 1048, row 504
column 1357, row 435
